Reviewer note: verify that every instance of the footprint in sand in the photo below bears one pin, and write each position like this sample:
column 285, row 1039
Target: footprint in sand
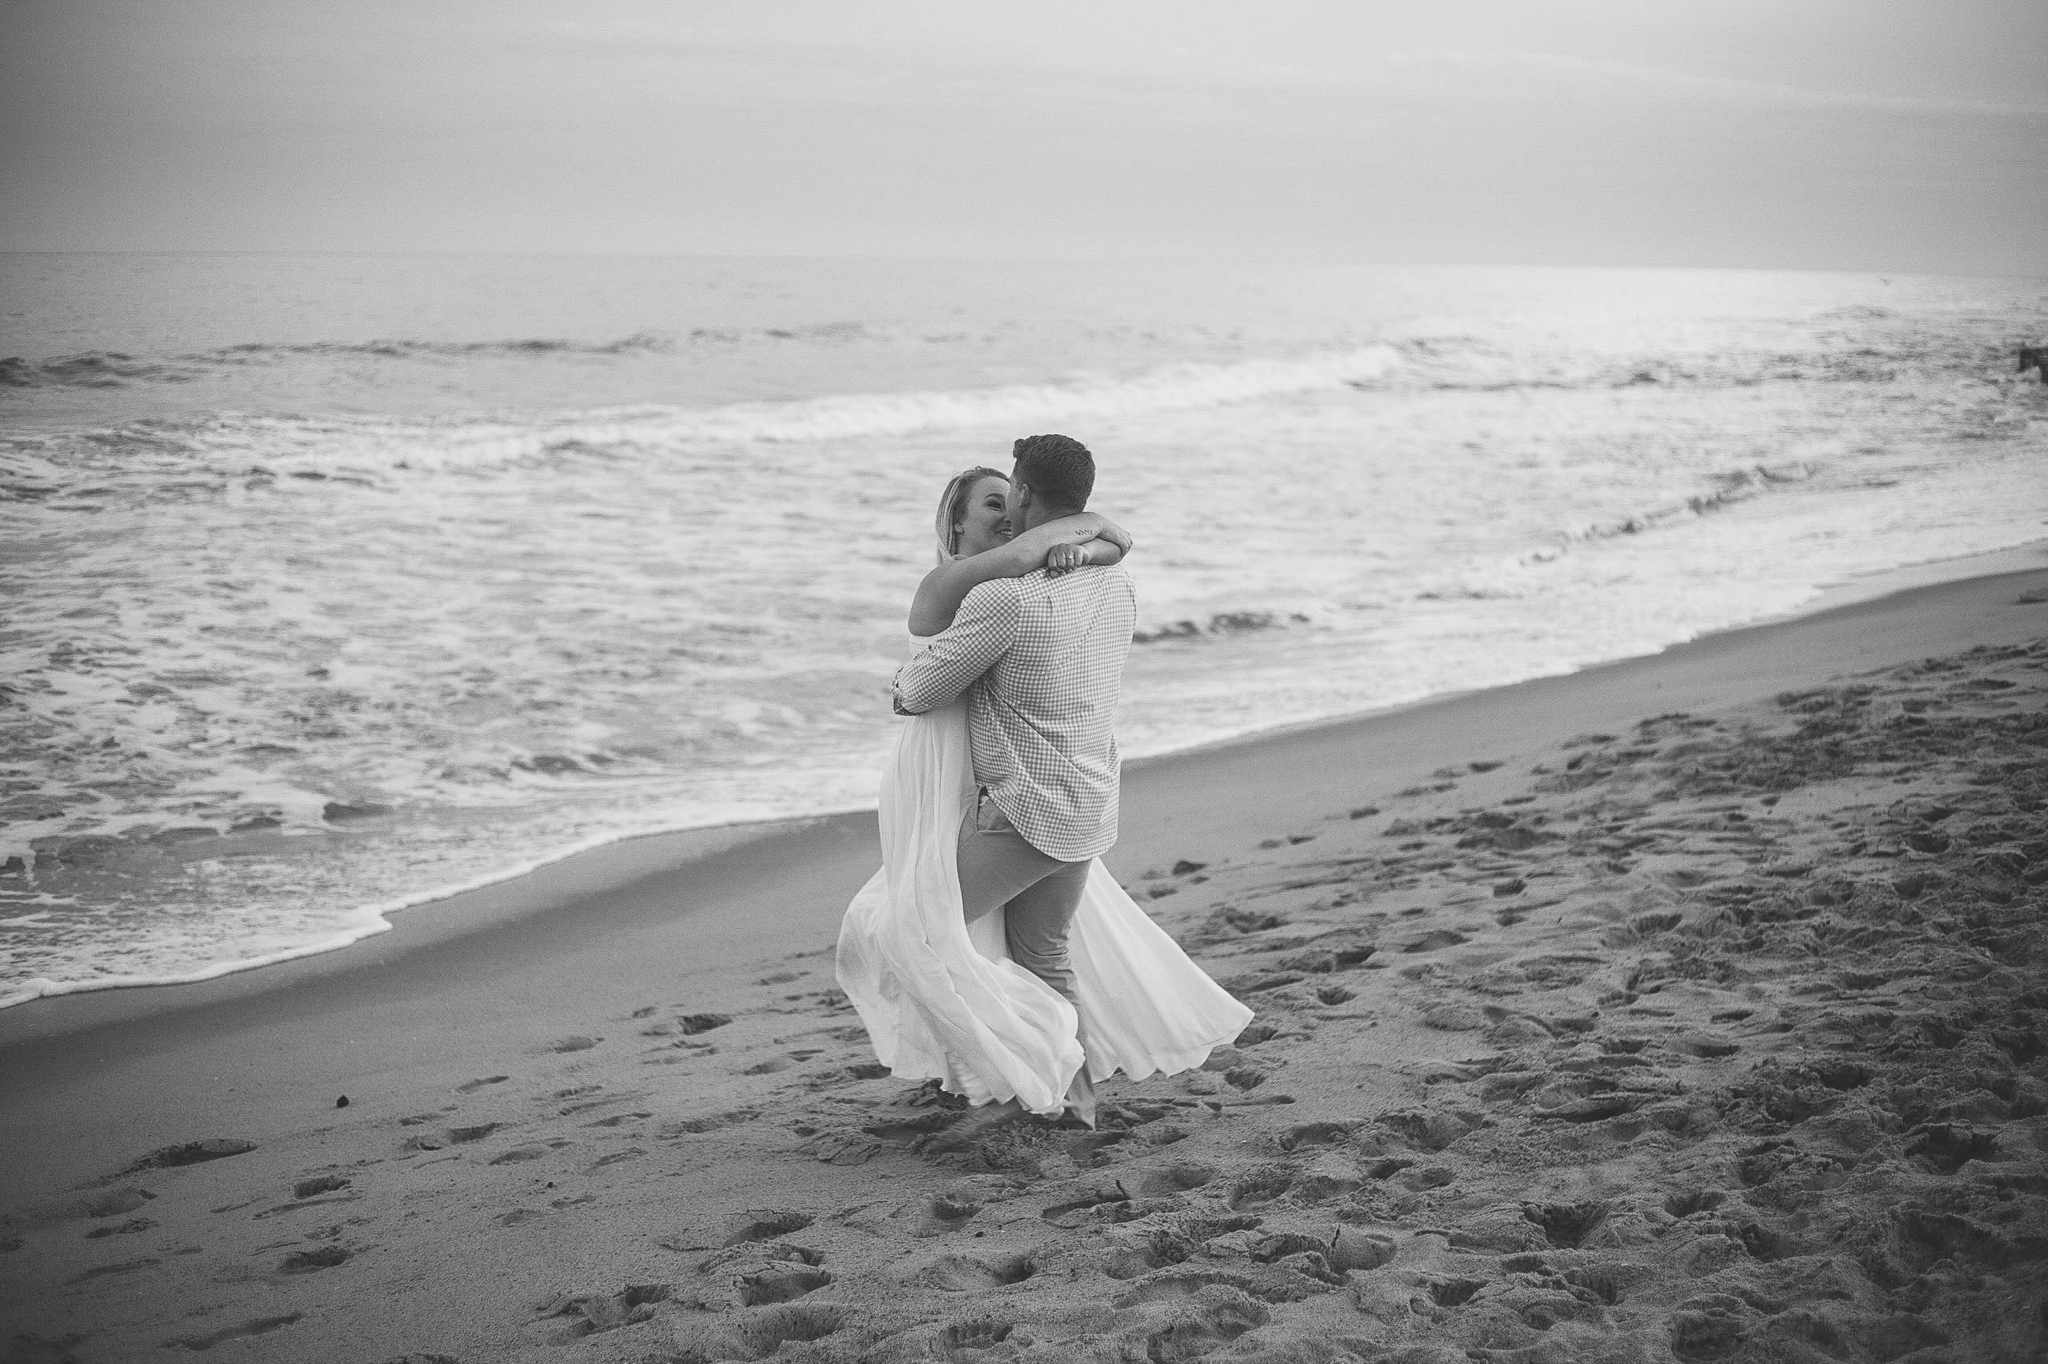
column 764, row 1225
column 692, row 1024
column 1258, row 1186
column 780, row 1252
column 974, row 1274
column 1566, row 1225
column 1431, row 1132
column 185, row 1153
column 1690, row 1201
column 757, row 1332
column 111, row 1203
column 1202, row 1311
column 711, row 1122
column 592, row 1313
column 779, row 1283
column 453, row 1136
column 1175, row 1178
column 128, row 1228
column 1156, row 1250
column 941, row 1214
column 768, row 1329
column 1087, row 1208
column 255, row 1327
column 1316, row 1134
column 1452, row 1292
column 965, row 1340
column 521, row 1154
column 312, row 1261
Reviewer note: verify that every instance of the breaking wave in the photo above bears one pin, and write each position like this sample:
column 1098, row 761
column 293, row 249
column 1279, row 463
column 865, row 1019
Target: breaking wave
column 116, row 369
column 1220, row 623
column 1469, row 365
column 1729, row 489
column 377, row 444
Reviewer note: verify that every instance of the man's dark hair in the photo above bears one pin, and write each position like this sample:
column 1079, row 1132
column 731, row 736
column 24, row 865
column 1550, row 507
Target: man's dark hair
column 1058, row 470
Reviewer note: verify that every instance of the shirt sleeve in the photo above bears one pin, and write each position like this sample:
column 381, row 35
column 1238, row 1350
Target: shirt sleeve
column 981, row 633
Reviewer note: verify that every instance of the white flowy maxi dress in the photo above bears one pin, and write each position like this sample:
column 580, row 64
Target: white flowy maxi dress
column 941, row 998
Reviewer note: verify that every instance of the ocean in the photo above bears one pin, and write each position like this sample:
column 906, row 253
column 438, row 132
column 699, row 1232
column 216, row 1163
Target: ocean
column 334, row 584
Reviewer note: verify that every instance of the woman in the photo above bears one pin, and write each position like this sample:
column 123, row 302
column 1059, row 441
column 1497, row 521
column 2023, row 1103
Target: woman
column 940, row 997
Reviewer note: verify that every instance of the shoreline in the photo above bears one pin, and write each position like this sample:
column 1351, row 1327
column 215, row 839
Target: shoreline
column 671, row 851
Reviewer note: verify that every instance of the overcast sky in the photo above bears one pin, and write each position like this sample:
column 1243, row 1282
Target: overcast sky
column 1852, row 134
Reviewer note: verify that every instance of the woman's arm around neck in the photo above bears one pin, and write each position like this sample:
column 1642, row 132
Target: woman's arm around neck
column 945, row 587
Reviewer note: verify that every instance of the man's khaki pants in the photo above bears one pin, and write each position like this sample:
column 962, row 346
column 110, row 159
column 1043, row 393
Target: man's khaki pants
column 1000, row 867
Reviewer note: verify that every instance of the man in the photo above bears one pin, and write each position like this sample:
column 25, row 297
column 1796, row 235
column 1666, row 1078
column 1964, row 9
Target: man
column 1041, row 659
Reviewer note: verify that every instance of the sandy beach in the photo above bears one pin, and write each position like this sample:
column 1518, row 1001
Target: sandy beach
column 1690, row 1007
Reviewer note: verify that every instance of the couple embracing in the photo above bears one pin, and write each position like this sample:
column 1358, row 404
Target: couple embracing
column 993, row 951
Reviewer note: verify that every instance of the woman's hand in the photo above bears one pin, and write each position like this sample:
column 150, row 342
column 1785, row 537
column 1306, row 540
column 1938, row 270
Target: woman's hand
column 1059, row 546
column 1109, row 530
column 1065, row 559
column 1082, row 527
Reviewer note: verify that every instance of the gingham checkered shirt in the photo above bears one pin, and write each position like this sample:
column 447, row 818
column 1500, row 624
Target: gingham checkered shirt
column 1041, row 660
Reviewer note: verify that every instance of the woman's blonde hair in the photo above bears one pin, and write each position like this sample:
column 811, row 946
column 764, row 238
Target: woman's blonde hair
column 953, row 506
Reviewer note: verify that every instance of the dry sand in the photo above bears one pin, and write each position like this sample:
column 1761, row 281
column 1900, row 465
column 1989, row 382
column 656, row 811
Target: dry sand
column 1688, row 1008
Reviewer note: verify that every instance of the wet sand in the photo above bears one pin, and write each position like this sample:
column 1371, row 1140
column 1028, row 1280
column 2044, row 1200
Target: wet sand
column 1691, row 1007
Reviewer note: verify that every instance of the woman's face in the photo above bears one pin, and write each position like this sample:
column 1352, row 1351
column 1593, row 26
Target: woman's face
column 984, row 518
